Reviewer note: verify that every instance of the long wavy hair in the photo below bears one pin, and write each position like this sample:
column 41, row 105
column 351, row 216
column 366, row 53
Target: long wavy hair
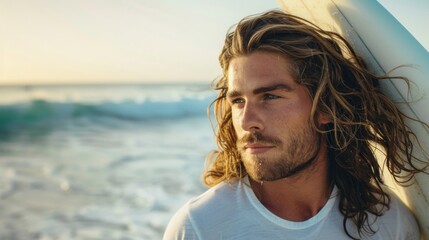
column 341, row 88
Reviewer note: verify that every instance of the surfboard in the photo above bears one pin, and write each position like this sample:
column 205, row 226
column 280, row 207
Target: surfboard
column 385, row 44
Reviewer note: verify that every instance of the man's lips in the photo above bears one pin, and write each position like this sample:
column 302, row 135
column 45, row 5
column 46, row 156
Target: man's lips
column 254, row 148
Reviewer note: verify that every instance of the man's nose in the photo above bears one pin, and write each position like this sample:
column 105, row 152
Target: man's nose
column 251, row 118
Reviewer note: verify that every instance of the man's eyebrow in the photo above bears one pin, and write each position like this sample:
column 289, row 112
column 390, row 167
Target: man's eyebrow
column 233, row 94
column 272, row 88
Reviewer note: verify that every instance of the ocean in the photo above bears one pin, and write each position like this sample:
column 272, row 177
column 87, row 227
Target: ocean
column 100, row 161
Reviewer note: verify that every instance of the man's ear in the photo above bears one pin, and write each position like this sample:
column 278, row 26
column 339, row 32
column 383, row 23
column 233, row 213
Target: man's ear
column 323, row 118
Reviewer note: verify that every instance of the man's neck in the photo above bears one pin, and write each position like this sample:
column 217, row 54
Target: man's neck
column 299, row 197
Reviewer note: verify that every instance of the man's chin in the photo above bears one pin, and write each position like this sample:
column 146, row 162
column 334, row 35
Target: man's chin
column 264, row 177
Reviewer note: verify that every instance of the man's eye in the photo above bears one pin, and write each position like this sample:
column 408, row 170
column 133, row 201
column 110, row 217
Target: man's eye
column 237, row 101
column 270, row 96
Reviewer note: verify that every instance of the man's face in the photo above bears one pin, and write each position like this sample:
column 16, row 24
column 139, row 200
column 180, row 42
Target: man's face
column 270, row 114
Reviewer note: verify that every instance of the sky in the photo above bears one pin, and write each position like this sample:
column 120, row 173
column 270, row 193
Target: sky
column 132, row 41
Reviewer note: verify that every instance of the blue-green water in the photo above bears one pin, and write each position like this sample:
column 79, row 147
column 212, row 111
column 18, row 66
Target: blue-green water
column 99, row 162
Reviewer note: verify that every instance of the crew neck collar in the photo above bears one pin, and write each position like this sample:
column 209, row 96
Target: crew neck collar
column 283, row 222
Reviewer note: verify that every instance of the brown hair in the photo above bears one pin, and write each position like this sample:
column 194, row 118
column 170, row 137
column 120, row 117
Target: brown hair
column 343, row 89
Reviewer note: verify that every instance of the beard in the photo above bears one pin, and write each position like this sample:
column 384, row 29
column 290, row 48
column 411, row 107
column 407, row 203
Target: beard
column 287, row 158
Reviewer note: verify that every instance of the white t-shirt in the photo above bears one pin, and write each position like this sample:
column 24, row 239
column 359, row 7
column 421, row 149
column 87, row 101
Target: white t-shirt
column 232, row 211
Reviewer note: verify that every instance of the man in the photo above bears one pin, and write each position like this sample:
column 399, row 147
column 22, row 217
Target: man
column 299, row 114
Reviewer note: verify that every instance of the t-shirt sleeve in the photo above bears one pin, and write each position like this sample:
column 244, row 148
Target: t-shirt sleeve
column 180, row 226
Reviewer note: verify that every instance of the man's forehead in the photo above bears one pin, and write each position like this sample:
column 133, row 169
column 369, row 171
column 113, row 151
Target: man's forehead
column 259, row 69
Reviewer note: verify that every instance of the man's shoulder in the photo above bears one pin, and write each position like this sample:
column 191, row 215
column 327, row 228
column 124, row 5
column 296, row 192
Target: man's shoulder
column 214, row 201
column 219, row 196
column 397, row 221
column 200, row 215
